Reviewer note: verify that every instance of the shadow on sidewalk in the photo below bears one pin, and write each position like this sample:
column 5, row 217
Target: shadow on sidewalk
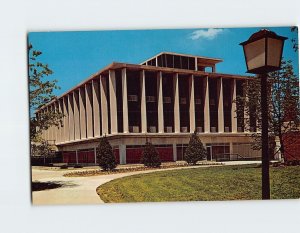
column 40, row 186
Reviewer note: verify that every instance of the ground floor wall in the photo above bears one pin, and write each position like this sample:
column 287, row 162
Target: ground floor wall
column 128, row 148
column 291, row 143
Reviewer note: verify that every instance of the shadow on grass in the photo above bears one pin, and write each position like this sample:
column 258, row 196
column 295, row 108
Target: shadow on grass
column 40, row 186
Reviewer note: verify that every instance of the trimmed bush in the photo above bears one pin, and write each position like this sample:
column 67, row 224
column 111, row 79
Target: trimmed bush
column 195, row 150
column 150, row 156
column 105, row 155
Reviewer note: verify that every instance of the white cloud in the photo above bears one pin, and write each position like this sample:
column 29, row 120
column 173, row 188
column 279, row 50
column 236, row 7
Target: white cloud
column 208, row 34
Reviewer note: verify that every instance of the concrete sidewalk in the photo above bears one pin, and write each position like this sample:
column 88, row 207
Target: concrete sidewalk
column 82, row 190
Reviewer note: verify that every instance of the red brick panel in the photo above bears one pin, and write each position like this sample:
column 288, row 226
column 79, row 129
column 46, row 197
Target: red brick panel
column 134, row 155
column 292, row 146
column 165, row 154
column 81, row 156
column 117, row 155
column 90, row 155
column 69, row 157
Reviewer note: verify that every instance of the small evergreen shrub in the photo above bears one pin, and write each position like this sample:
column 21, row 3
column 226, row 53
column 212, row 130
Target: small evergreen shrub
column 150, row 156
column 195, row 150
column 105, row 155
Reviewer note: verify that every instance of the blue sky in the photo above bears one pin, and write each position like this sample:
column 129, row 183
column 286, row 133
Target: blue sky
column 74, row 56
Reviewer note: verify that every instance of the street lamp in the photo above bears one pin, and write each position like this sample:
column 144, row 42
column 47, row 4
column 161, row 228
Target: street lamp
column 263, row 52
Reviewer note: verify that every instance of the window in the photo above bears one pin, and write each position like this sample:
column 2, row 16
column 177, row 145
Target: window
column 168, row 129
column 197, row 101
column 152, row 129
column 182, row 100
column 167, row 100
column 132, row 98
column 150, row 99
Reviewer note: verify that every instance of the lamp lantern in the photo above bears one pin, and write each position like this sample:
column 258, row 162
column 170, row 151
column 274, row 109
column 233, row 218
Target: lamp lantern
column 263, row 52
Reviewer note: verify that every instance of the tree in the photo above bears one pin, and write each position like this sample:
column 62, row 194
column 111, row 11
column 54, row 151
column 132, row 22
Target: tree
column 150, row 156
column 295, row 39
column 195, row 150
column 40, row 92
column 105, row 155
column 283, row 106
column 42, row 149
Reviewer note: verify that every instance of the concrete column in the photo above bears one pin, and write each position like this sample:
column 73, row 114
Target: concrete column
column 213, row 68
column 160, row 104
column 192, row 104
column 71, row 116
column 125, row 101
column 66, row 119
column 176, row 104
column 95, row 154
column 76, row 156
column 233, row 107
column 96, row 108
column 246, row 118
column 51, row 127
column 47, row 130
column 76, row 115
column 82, row 113
column 174, row 152
column 113, row 102
column 143, row 102
column 56, row 128
column 104, row 111
column 44, row 132
column 231, row 151
column 278, row 155
column 220, row 107
column 196, row 67
column 258, row 126
column 61, row 129
column 122, row 152
column 206, row 106
column 89, row 110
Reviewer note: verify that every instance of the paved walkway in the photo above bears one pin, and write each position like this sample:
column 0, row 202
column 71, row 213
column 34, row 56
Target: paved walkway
column 82, row 190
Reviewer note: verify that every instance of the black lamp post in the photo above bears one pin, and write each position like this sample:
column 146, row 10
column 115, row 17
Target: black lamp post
column 263, row 52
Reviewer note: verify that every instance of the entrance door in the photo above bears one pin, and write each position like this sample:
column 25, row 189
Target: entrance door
column 209, row 157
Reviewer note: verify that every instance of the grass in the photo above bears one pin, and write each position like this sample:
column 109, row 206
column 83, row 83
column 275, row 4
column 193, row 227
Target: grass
column 203, row 184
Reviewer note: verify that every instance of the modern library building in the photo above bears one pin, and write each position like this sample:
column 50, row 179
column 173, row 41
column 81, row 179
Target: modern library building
column 163, row 100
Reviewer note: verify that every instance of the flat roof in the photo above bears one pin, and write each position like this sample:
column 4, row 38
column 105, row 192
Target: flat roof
column 117, row 65
column 207, row 59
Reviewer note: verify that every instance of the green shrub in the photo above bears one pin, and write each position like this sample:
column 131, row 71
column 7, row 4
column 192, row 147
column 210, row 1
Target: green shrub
column 105, row 155
column 150, row 156
column 195, row 150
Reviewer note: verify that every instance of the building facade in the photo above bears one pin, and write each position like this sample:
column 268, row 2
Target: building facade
column 163, row 100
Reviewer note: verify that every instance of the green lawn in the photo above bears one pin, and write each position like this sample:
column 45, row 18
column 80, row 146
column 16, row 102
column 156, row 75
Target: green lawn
column 202, row 184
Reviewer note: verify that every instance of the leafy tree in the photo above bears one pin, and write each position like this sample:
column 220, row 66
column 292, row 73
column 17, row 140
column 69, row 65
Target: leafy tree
column 295, row 39
column 42, row 149
column 40, row 92
column 283, row 106
column 150, row 156
column 105, row 155
column 195, row 150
